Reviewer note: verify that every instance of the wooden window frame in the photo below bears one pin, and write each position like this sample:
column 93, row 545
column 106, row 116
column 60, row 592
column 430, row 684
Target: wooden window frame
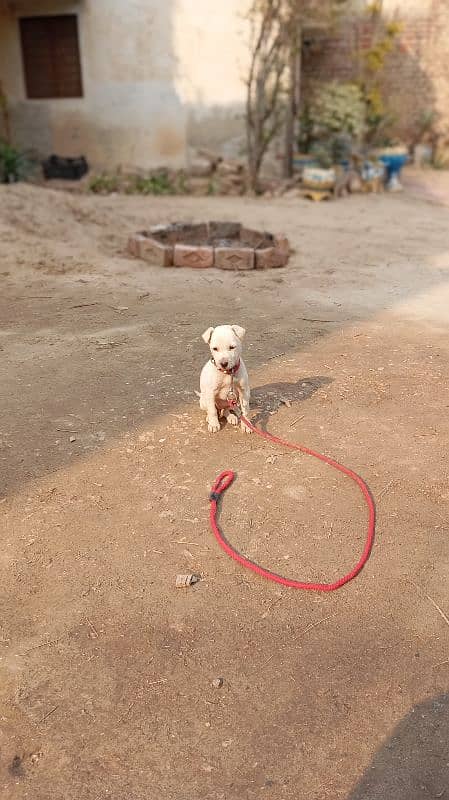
column 51, row 56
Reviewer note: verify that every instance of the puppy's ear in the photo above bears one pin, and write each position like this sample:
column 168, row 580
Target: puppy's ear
column 207, row 335
column 240, row 332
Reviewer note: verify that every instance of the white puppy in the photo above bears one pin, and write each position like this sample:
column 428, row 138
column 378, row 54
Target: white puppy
column 224, row 372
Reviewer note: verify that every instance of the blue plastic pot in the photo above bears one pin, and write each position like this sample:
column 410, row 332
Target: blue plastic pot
column 393, row 165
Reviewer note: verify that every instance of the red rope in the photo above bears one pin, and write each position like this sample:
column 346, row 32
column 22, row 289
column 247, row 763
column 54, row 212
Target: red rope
column 225, row 479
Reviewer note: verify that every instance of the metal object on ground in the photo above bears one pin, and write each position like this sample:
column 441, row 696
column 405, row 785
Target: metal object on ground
column 183, row 581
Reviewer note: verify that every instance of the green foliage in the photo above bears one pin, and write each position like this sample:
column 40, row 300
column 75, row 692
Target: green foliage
column 181, row 185
column 104, row 184
column 332, row 150
column 376, row 55
column 159, row 182
column 393, row 29
column 14, row 164
column 341, row 112
column 212, row 188
column 332, row 122
column 379, row 119
column 337, row 108
column 374, row 9
column 341, row 115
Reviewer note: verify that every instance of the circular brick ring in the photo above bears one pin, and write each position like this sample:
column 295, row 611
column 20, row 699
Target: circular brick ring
column 225, row 245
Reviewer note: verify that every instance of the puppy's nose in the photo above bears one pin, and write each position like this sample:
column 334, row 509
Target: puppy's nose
column 224, row 364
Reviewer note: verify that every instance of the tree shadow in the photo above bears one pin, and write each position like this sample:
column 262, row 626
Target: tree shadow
column 413, row 764
column 271, row 396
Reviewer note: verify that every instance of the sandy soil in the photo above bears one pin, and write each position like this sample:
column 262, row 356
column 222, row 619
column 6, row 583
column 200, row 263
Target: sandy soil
column 106, row 669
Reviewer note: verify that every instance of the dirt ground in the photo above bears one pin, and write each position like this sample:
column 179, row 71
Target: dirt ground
column 106, row 669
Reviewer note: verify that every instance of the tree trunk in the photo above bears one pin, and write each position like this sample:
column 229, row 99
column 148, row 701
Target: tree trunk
column 291, row 121
column 298, row 85
column 289, row 145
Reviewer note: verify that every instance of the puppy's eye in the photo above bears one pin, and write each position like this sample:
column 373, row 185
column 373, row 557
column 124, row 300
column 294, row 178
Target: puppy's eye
column 232, row 347
column 216, row 349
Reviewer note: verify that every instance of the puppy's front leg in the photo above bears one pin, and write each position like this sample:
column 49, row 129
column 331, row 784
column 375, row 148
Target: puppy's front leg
column 244, row 395
column 213, row 424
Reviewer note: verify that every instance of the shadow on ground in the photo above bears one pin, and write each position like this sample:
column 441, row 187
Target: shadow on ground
column 83, row 382
column 95, row 345
column 414, row 762
column 271, row 396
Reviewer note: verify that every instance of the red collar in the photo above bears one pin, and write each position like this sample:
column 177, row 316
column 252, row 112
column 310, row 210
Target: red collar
column 232, row 371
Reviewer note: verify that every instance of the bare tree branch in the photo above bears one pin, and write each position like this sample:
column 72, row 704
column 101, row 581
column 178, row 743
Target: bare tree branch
column 274, row 66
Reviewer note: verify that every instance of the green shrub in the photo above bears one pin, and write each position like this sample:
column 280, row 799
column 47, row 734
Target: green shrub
column 332, row 150
column 14, row 164
column 337, row 108
column 104, row 184
column 155, row 184
column 332, row 122
column 159, row 183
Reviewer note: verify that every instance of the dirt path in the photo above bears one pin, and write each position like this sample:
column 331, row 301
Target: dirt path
column 428, row 184
column 105, row 669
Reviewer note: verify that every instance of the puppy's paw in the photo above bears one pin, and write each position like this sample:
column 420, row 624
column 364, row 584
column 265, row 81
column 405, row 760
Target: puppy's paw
column 245, row 428
column 213, row 427
column 232, row 419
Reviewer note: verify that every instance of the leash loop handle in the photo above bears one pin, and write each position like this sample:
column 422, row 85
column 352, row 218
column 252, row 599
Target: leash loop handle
column 222, row 483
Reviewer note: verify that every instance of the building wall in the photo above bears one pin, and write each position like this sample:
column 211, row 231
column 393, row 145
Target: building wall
column 416, row 77
column 211, row 45
column 163, row 76
column 158, row 75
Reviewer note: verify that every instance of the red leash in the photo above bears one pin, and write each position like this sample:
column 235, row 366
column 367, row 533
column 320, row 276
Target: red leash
column 226, row 478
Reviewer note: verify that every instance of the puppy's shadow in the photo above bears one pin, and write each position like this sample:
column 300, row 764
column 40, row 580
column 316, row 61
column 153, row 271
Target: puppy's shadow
column 267, row 399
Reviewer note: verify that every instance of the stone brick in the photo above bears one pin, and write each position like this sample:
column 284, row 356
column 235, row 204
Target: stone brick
column 224, row 230
column 185, row 232
column 133, row 244
column 229, row 251
column 193, row 256
column 270, row 257
column 281, row 243
column 234, row 258
column 155, row 252
column 189, row 233
column 253, row 238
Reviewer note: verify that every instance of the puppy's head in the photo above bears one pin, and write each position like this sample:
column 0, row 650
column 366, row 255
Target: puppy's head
column 225, row 344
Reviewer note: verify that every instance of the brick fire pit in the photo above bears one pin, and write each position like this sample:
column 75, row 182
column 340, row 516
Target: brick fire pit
column 225, row 245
